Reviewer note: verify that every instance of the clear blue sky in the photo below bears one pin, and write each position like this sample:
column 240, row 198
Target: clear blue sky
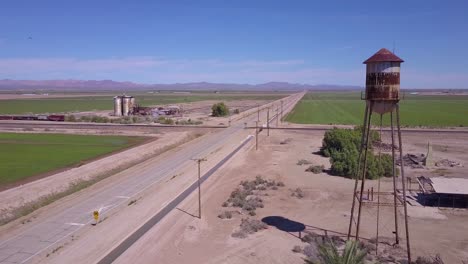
column 250, row 41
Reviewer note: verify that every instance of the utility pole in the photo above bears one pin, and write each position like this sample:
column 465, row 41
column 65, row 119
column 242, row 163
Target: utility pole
column 268, row 122
column 277, row 115
column 281, row 111
column 199, row 161
column 258, row 113
column 256, row 135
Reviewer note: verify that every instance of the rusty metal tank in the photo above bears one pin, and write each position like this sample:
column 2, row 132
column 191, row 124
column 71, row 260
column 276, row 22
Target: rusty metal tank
column 126, row 105
column 117, row 106
column 383, row 76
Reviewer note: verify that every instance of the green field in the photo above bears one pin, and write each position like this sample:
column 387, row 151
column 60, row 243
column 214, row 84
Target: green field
column 89, row 103
column 25, row 155
column 347, row 108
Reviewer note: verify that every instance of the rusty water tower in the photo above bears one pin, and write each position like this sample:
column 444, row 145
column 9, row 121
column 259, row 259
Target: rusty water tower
column 382, row 96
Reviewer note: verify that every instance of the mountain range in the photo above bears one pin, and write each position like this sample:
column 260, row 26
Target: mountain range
column 103, row 85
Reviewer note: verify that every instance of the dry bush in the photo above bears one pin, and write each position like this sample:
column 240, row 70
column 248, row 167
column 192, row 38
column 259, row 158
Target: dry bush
column 251, row 226
column 298, row 193
column 225, row 215
column 286, row 141
column 316, row 169
column 239, row 234
column 311, row 252
column 303, row 162
column 429, row 260
column 297, row 249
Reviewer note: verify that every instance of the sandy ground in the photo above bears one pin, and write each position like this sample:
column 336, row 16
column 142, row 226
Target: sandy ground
column 183, row 238
column 15, row 197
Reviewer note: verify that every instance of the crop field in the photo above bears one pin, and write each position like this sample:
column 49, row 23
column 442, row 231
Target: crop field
column 100, row 102
column 347, row 108
column 26, row 155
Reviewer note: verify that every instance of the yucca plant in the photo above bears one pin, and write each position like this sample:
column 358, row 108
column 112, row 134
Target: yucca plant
column 329, row 254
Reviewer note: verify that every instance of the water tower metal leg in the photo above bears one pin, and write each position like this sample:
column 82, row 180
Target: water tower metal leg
column 403, row 184
column 363, row 131
column 364, row 169
column 397, row 239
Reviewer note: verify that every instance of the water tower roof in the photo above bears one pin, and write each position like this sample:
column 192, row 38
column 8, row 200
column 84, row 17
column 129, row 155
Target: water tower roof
column 383, row 55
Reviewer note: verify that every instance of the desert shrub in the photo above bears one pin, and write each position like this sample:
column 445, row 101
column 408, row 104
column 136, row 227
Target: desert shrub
column 236, row 111
column 225, row 215
column 298, row 193
column 219, row 109
column 252, row 213
column 251, row 226
column 343, row 145
column 315, row 168
column 98, row 119
column 189, row 122
column 280, row 184
column 429, row 260
column 311, row 252
column 225, row 204
column 70, row 118
column 297, row 249
column 166, row 121
column 252, row 204
column 303, row 162
column 239, row 234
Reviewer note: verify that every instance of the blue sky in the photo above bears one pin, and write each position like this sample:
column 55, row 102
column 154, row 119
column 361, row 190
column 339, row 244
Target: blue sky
column 313, row 42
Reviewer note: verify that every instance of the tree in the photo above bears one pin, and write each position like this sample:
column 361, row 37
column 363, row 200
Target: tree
column 219, row 109
column 328, row 254
column 343, row 145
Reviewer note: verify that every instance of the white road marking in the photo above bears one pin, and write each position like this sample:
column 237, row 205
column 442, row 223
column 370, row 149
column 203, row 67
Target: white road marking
column 75, row 224
column 123, row 197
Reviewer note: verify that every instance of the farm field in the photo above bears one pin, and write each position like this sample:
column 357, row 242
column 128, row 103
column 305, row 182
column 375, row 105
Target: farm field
column 104, row 102
column 26, row 155
column 347, row 108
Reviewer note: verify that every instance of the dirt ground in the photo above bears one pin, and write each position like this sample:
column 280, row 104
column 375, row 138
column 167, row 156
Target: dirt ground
column 183, row 238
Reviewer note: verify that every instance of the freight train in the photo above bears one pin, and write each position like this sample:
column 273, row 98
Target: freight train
column 58, row 118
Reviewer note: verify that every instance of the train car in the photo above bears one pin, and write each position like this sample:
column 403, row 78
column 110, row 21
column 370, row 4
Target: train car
column 59, row 118
column 24, row 117
column 43, row 117
column 6, row 117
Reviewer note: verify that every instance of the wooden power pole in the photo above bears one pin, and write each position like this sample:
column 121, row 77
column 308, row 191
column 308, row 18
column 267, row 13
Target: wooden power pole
column 268, row 122
column 199, row 161
column 256, row 135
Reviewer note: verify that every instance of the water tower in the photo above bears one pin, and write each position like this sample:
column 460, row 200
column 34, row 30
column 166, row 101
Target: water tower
column 382, row 96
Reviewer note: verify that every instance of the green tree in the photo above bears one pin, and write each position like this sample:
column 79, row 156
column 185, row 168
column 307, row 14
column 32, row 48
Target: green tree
column 343, row 146
column 219, row 109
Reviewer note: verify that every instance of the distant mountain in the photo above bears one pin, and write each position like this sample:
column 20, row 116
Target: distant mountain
column 103, row 85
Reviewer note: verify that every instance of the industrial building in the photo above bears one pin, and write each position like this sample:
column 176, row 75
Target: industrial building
column 125, row 105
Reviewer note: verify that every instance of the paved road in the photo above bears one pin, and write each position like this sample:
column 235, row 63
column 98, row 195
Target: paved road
column 42, row 235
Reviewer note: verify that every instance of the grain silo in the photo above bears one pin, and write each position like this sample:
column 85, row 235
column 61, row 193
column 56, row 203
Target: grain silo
column 117, row 106
column 126, row 105
column 132, row 104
